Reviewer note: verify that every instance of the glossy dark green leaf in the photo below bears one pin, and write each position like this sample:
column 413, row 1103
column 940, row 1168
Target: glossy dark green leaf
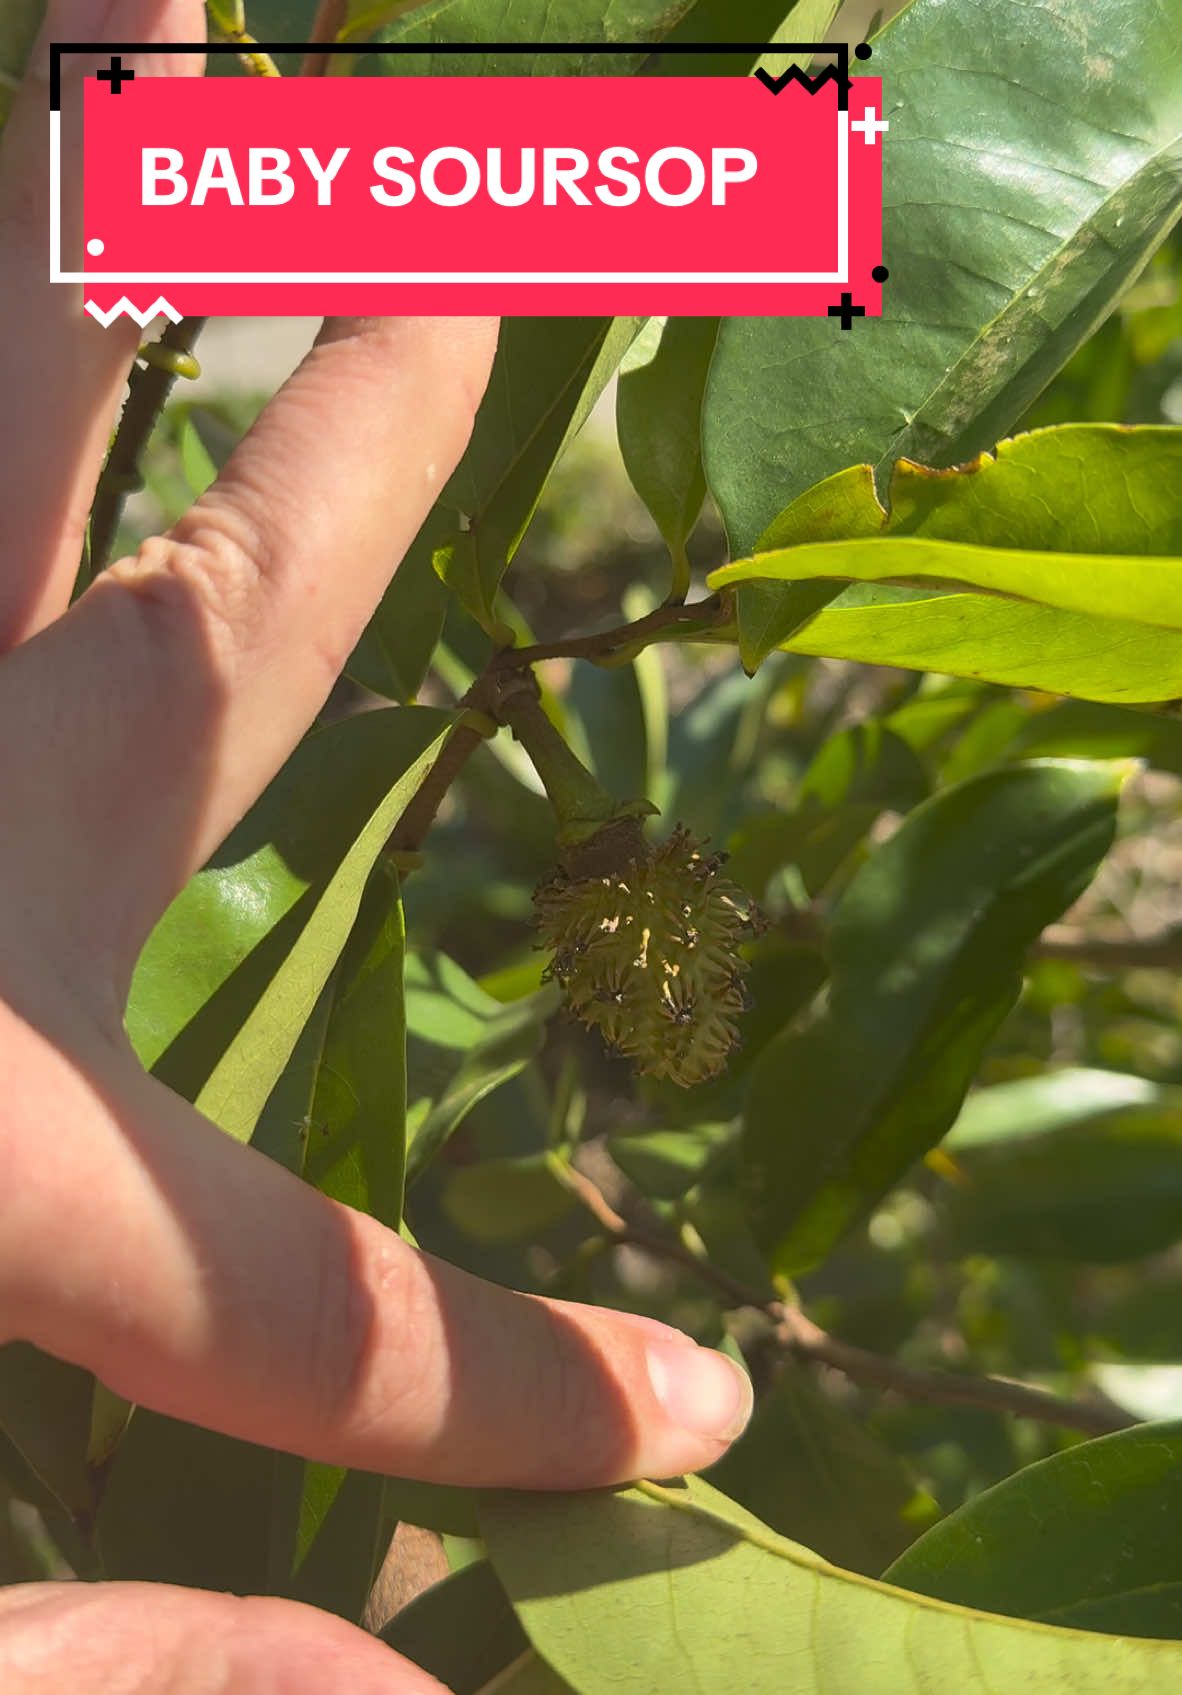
column 617, row 718
column 1081, row 1166
column 45, row 1414
column 1031, row 1107
column 338, row 1114
column 234, row 969
column 435, row 1506
column 664, row 1164
column 710, row 743
column 394, row 653
column 463, row 1631
column 338, row 1118
column 1088, row 1538
column 926, row 948
column 549, row 372
column 506, row 1200
column 1029, row 172
column 1080, row 729
column 188, row 1506
column 767, row 613
column 655, row 1590
column 1076, row 520
column 330, row 1530
column 659, row 422
column 547, row 376
column 811, row 1471
column 855, row 776
column 462, row 1044
column 722, row 21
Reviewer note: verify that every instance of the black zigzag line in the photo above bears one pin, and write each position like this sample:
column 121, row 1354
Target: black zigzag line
column 812, row 84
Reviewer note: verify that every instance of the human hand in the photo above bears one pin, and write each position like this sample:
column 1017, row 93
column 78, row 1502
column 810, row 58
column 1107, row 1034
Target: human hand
column 190, row 1274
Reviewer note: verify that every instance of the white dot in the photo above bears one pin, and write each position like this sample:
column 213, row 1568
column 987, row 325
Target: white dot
column 96, row 247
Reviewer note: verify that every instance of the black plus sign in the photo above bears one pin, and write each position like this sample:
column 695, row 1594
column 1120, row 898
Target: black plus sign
column 116, row 75
column 847, row 311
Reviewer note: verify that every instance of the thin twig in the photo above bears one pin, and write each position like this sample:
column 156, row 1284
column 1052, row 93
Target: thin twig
column 701, row 615
column 469, row 733
column 231, row 28
column 150, row 387
column 330, row 20
column 807, row 1340
column 1162, row 950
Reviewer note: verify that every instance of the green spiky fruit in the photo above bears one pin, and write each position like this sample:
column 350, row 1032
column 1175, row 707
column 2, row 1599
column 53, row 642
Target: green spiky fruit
column 645, row 945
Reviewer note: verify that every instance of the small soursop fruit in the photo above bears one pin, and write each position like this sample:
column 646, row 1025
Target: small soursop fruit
column 645, row 945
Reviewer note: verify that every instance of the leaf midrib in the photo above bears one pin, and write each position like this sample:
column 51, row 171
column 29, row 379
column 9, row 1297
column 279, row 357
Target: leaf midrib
column 801, row 1558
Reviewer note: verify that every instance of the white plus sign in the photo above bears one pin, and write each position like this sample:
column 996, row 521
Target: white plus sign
column 871, row 126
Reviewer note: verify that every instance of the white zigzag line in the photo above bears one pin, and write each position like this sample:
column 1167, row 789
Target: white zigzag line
column 124, row 307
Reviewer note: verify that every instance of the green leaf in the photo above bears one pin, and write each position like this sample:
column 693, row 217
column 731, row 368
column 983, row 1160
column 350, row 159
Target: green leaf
column 622, row 712
column 926, row 948
column 1081, row 516
column 1078, row 729
column 855, row 776
column 1087, row 1538
column 546, row 378
column 656, row 1590
column 1077, row 1165
column 187, row 1506
column 338, row 1114
column 451, row 23
column 999, row 641
column 548, row 374
column 330, row 1529
column 1032, row 166
column 1078, row 518
column 196, row 461
column 338, row 1118
column 463, row 1630
column 506, row 1200
column 659, row 422
column 435, row 1506
column 722, row 21
column 767, row 613
column 813, row 1472
column 45, row 1413
column 230, row 975
column 1030, row 1107
column 462, row 1044
column 394, row 653
column 666, row 1164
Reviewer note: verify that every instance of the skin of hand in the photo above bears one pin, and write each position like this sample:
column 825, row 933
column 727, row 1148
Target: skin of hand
column 191, row 1274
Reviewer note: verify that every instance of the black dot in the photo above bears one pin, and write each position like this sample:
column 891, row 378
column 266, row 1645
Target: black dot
column 863, row 50
column 880, row 273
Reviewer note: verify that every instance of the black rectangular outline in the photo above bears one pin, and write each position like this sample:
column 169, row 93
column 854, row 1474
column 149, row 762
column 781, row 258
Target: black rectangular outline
column 417, row 49
column 839, row 75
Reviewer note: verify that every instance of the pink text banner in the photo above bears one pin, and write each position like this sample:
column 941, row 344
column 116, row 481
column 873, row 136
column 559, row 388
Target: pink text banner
column 551, row 195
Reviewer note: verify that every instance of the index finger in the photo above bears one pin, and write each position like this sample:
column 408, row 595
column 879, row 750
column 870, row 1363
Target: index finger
column 185, row 676
column 67, row 370
column 197, row 1277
